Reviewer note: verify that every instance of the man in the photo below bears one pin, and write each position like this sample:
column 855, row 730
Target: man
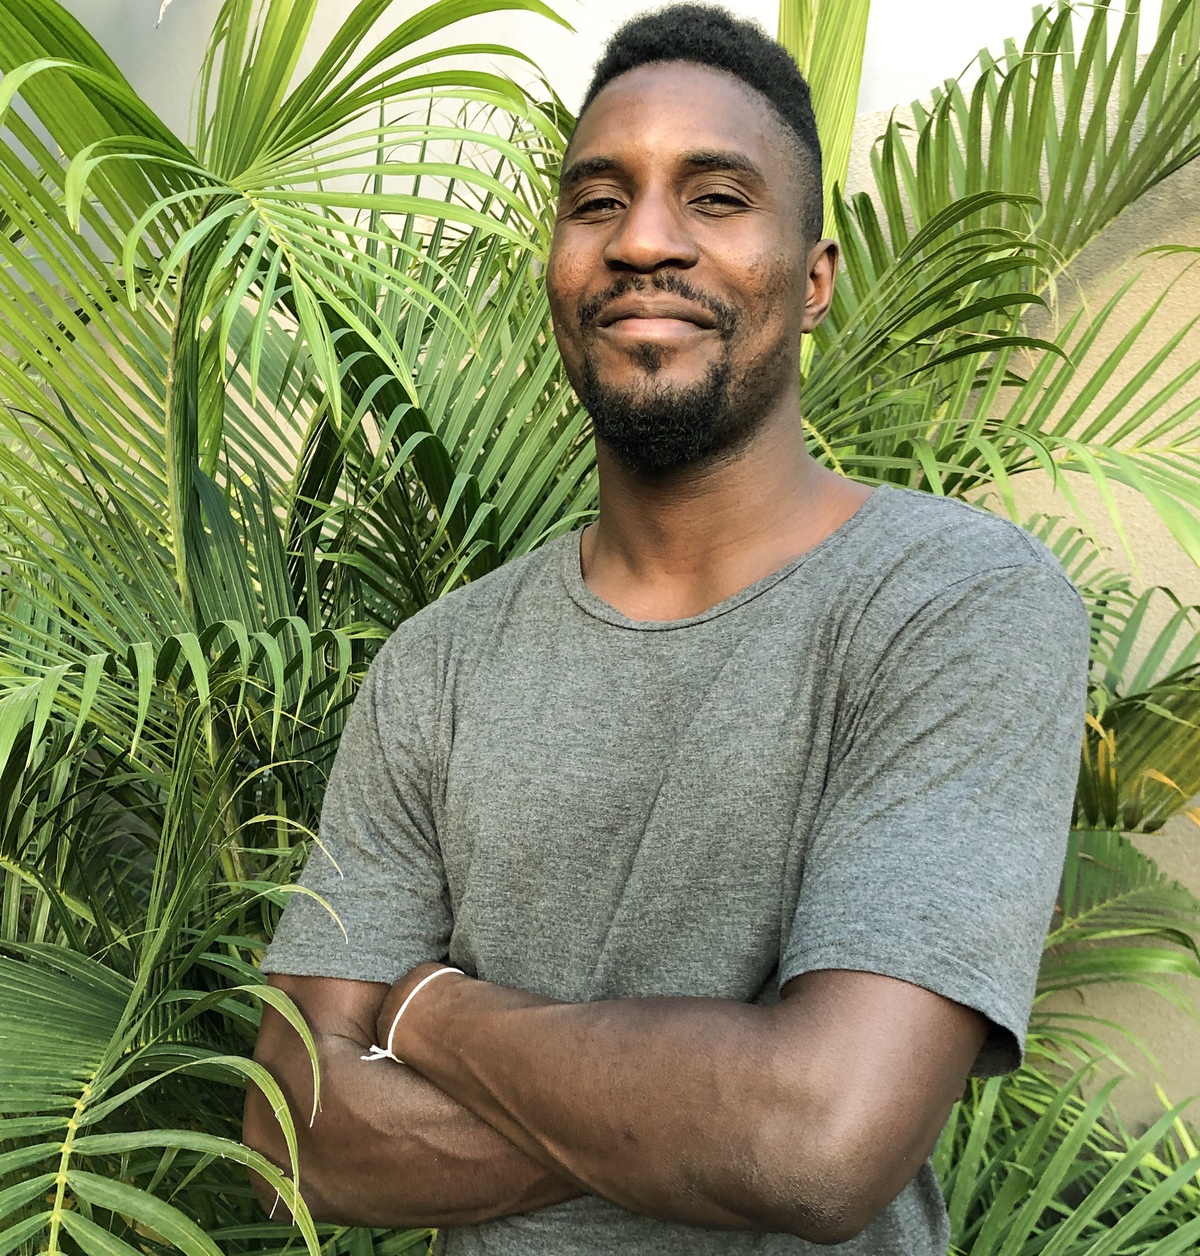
column 741, row 812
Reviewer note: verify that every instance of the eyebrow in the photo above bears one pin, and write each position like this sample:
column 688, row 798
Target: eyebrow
column 577, row 171
column 735, row 163
column 701, row 159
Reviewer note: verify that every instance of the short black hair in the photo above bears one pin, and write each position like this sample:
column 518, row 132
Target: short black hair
column 712, row 36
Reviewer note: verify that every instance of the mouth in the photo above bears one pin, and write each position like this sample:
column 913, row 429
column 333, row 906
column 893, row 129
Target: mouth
column 648, row 319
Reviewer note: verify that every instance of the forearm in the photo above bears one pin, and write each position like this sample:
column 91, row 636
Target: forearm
column 388, row 1149
column 674, row 1108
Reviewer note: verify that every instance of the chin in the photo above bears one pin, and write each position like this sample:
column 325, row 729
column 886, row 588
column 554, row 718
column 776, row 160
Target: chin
column 644, row 380
column 682, row 364
column 663, row 423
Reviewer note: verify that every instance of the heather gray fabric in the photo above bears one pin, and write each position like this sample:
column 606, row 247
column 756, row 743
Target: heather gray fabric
column 865, row 761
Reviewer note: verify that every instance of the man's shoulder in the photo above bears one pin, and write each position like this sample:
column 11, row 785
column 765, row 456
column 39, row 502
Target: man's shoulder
column 924, row 559
column 940, row 541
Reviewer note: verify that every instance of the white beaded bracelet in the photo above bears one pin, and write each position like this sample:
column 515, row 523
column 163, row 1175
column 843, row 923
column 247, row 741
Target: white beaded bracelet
column 385, row 1053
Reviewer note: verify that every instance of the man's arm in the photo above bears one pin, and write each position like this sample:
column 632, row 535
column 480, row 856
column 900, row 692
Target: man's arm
column 387, row 1148
column 807, row 1118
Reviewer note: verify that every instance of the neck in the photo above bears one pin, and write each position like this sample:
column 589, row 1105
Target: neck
column 669, row 547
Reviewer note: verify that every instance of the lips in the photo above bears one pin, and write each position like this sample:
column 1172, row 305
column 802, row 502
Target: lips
column 655, row 312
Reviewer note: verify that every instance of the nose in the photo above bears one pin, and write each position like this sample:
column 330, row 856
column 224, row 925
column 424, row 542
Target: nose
column 651, row 235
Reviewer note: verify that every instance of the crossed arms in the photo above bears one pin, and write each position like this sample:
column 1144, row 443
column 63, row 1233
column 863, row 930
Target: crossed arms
column 807, row 1117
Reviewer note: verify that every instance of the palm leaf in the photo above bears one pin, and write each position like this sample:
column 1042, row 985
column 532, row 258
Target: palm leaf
column 828, row 42
column 1122, row 126
column 1119, row 919
column 64, row 1024
column 1015, row 1150
column 966, row 420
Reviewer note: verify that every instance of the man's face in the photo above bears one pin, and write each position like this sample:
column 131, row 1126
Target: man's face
column 678, row 275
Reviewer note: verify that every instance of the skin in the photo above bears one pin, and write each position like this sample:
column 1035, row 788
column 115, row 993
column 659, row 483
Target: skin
column 806, row 1117
column 387, row 1148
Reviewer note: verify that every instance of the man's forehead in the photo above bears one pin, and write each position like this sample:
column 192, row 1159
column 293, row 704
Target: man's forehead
column 680, row 107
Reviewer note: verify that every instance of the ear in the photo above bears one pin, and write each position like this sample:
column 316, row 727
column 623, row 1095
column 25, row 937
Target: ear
column 822, row 274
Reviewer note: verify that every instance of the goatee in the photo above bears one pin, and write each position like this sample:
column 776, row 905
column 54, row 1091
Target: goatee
column 656, row 428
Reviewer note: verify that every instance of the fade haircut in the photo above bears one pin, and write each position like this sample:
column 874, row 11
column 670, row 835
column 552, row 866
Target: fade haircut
column 711, row 36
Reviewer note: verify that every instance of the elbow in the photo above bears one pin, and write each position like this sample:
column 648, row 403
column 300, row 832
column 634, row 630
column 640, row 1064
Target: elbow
column 829, row 1216
column 844, row 1194
column 828, row 1187
column 833, row 1228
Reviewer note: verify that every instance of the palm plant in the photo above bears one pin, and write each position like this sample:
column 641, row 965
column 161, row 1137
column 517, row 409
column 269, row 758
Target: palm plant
column 237, row 441
column 1029, row 1165
column 265, row 395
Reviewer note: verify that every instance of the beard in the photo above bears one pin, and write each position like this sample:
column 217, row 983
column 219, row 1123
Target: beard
column 655, row 428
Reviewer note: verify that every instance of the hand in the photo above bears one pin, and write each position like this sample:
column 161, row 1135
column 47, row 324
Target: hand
column 388, row 1148
column 400, row 991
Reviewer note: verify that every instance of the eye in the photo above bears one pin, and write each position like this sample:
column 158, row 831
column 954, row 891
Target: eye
column 720, row 202
column 596, row 205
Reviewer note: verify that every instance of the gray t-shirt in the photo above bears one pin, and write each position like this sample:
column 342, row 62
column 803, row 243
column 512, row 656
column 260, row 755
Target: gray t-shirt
column 864, row 761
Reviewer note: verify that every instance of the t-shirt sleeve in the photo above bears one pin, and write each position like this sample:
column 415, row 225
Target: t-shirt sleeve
column 938, row 848
column 377, row 869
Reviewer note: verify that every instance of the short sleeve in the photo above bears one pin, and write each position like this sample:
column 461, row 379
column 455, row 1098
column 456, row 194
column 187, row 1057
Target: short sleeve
column 938, row 847
column 378, row 867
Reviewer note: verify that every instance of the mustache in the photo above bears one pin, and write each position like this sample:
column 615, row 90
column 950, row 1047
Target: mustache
column 725, row 315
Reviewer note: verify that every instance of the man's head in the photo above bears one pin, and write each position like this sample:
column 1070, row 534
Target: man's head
column 686, row 263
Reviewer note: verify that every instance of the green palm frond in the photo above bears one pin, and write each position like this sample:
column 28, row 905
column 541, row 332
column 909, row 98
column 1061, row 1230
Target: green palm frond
column 1083, row 132
column 70, row 1029
column 1119, row 919
column 1141, row 749
column 1142, row 756
column 828, row 42
column 1030, row 1166
column 963, row 402
column 274, row 508
column 895, row 372
column 1142, row 740
column 1106, row 591
column 498, row 410
column 1036, row 163
column 274, row 215
column 230, row 331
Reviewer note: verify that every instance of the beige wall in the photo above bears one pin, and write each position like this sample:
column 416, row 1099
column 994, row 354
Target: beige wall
column 1169, row 213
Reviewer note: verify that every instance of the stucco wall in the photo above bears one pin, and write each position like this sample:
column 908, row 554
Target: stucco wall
column 1169, row 213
